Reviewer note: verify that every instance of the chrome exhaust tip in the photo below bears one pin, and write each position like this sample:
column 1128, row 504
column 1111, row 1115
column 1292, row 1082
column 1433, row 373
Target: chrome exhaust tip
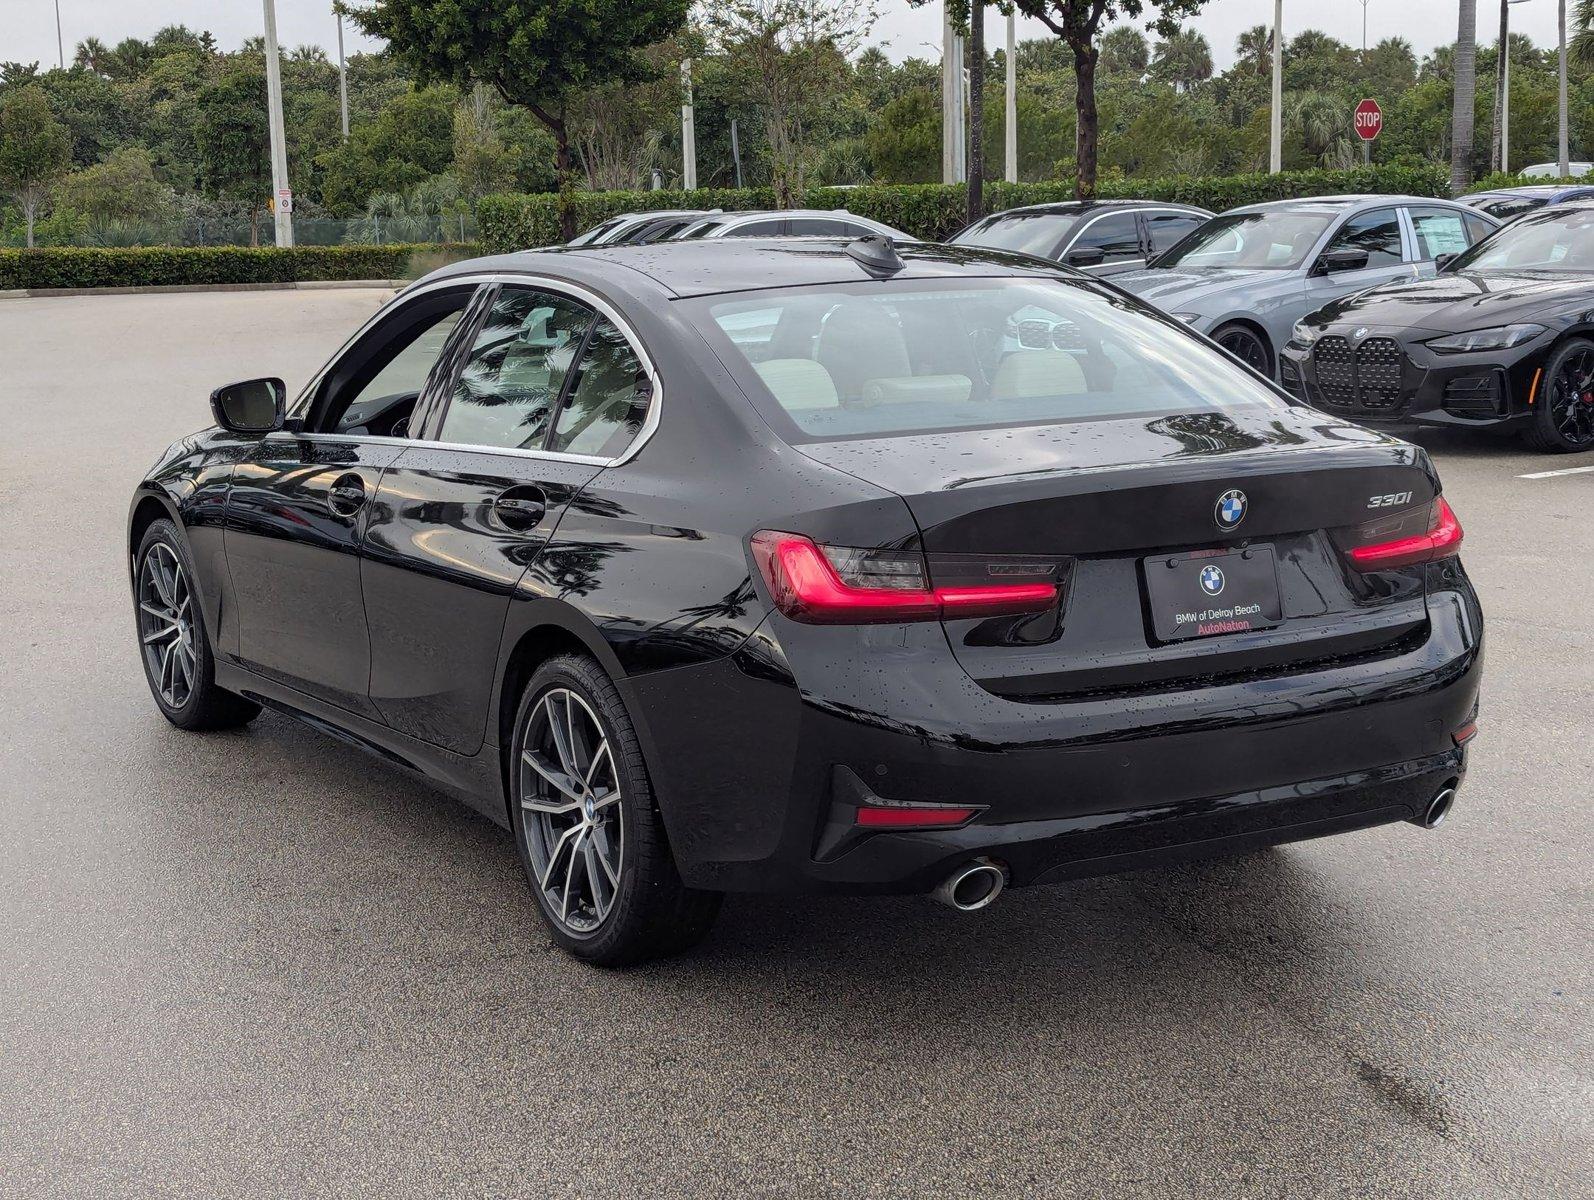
column 1438, row 808
column 973, row 886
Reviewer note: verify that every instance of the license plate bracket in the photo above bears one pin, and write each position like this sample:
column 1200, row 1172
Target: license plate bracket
column 1208, row 595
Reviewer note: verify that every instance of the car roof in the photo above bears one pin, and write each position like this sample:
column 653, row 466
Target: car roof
column 1079, row 207
column 711, row 266
column 1341, row 204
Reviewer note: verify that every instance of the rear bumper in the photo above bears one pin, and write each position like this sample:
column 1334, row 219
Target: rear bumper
column 745, row 755
column 1466, row 391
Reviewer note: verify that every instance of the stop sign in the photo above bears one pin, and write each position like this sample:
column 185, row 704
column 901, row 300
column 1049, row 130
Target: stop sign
column 1369, row 120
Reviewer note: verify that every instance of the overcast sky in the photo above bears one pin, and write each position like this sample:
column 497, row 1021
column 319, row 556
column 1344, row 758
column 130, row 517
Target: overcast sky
column 27, row 27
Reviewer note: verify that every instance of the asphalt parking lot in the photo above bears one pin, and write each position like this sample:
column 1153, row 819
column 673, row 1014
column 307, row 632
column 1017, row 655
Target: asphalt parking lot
column 260, row 963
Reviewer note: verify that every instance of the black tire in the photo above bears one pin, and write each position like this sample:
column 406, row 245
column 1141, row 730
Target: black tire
column 178, row 664
column 1563, row 417
column 1247, row 345
column 651, row 913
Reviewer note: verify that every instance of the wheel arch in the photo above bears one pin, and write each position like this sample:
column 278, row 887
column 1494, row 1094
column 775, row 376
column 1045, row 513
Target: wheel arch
column 1251, row 325
column 149, row 505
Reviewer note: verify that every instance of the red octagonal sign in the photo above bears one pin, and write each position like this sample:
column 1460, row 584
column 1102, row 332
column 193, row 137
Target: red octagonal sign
column 1369, row 120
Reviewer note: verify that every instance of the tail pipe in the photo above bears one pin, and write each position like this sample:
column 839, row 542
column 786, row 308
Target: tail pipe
column 973, row 886
column 1438, row 808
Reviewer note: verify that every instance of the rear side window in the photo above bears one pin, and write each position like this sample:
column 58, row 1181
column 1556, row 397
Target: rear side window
column 1168, row 228
column 1440, row 231
column 1377, row 232
column 516, row 371
column 856, row 361
column 757, row 229
column 609, row 399
column 818, row 227
column 1116, row 236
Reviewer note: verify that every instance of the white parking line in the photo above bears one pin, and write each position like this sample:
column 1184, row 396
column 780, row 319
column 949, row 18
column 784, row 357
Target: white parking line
column 1562, row 471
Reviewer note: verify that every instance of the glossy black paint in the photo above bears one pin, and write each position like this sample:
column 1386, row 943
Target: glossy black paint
column 1456, row 301
column 407, row 624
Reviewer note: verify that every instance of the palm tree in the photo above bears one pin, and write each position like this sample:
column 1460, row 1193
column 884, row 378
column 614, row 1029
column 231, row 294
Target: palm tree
column 1465, row 62
column 1124, row 51
column 1322, row 125
column 1184, row 59
column 1254, row 50
column 92, row 54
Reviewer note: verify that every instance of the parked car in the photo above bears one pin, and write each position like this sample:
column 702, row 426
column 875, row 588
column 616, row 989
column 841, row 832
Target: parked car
column 1507, row 203
column 714, row 567
column 1247, row 276
column 639, row 227
column 1574, row 170
column 1103, row 237
column 1503, row 337
column 791, row 222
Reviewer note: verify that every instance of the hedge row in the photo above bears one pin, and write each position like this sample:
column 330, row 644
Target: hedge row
column 935, row 211
column 157, row 266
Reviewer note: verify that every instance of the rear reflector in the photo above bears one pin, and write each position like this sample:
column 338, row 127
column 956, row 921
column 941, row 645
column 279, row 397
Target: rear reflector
column 1442, row 539
column 1465, row 734
column 841, row 585
column 912, row 816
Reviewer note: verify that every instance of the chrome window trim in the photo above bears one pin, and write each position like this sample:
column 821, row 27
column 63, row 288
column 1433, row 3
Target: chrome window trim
column 1133, row 214
column 576, row 291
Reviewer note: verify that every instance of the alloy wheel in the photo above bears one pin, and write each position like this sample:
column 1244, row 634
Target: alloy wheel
column 1572, row 399
column 571, row 816
column 1245, row 347
column 166, row 625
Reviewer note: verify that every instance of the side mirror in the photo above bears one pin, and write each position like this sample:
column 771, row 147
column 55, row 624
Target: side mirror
column 1347, row 258
column 253, row 406
column 1442, row 262
column 1085, row 256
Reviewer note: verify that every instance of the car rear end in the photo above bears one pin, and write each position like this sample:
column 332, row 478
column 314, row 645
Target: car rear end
column 1181, row 618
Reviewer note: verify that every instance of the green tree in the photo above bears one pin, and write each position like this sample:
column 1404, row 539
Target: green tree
column 1254, row 51
column 35, row 149
column 1078, row 23
column 123, row 187
column 1125, row 52
column 233, row 143
column 535, row 53
column 904, row 145
column 410, row 139
column 1183, row 59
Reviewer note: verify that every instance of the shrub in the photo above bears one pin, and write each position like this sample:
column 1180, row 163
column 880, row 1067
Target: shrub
column 164, row 266
column 935, row 211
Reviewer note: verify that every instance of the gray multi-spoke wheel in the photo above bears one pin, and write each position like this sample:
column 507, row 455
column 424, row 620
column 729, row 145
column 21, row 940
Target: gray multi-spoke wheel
column 166, row 624
column 1564, row 418
column 573, row 822
column 590, row 834
column 172, row 640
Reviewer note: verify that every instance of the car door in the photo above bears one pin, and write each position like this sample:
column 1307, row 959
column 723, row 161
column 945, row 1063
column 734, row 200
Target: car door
column 549, row 392
column 298, row 503
column 1107, row 245
column 1378, row 232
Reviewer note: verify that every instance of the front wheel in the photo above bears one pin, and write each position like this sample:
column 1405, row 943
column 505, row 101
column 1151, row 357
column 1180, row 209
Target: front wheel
column 590, row 835
column 1246, row 345
column 1563, row 422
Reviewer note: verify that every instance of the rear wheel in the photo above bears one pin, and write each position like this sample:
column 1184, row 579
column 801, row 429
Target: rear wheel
column 172, row 638
column 1246, row 345
column 590, row 835
column 1564, row 420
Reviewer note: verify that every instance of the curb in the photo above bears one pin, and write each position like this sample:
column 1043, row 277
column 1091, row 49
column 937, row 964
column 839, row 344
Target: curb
column 308, row 285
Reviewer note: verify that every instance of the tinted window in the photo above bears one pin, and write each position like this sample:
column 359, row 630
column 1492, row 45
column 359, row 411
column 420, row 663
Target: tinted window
column 872, row 360
column 703, row 229
column 1037, row 233
column 1168, row 228
column 597, row 231
column 515, row 371
column 1507, row 207
column 606, row 406
column 1477, row 230
column 1117, row 236
column 757, row 229
column 1270, row 240
column 405, row 374
column 1377, row 232
column 1440, row 231
column 819, row 227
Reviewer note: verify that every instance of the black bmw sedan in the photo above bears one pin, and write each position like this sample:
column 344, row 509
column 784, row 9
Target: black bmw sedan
column 1501, row 338
column 816, row 566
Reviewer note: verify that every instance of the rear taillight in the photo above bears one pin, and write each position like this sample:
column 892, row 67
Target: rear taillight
column 844, row 585
column 1438, row 535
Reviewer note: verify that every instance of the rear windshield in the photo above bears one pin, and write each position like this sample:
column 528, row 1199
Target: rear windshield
column 877, row 359
column 1037, row 233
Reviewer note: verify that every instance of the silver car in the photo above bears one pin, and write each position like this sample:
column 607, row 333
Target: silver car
column 1245, row 277
column 792, row 222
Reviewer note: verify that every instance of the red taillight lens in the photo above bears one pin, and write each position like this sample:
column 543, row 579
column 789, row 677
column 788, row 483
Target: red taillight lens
column 842, row 585
column 1442, row 539
column 912, row 816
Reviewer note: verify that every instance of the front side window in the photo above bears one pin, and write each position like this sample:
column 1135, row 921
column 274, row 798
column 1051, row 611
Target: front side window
column 1115, row 236
column 1268, row 240
column 516, row 370
column 1037, row 233
column 609, row 400
column 1376, row 232
column 856, row 361
column 1554, row 239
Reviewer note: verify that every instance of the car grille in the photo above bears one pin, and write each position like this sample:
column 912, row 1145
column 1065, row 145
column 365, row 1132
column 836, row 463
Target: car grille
column 1367, row 378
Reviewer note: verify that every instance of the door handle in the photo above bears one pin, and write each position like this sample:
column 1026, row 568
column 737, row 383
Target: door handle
column 520, row 509
column 346, row 496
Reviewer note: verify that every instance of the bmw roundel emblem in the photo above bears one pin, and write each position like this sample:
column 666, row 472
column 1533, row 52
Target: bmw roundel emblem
column 1212, row 580
column 1231, row 509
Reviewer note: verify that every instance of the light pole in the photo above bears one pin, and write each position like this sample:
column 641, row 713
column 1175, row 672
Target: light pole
column 343, row 78
column 1010, row 117
column 60, row 46
column 952, row 134
column 1275, row 157
column 1562, row 154
column 1364, row 30
column 281, row 193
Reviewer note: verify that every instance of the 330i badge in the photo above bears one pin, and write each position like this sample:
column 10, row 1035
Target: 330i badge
column 733, row 565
